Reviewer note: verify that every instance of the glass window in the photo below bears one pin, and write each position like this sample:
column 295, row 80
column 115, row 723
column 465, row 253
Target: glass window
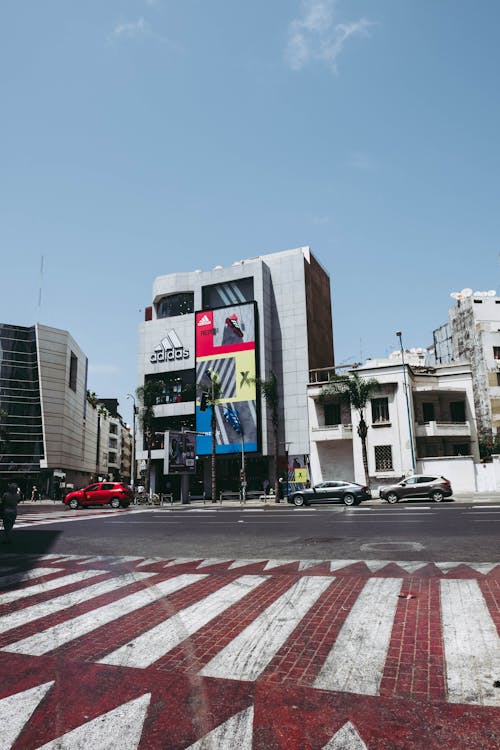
column 412, row 480
column 228, row 293
column 107, row 486
column 73, row 370
column 457, row 411
column 383, row 458
column 380, row 410
column 496, row 352
column 175, row 304
column 92, row 488
column 428, row 410
column 332, row 414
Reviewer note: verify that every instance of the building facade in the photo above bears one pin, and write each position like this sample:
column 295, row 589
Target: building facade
column 268, row 314
column 472, row 333
column 52, row 435
column 440, row 430
column 43, row 404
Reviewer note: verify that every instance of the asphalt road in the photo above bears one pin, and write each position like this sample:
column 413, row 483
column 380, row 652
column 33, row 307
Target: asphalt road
column 409, row 531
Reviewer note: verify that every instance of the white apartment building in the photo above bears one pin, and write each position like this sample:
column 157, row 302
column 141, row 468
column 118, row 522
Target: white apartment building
column 271, row 313
column 472, row 333
column 441, row 428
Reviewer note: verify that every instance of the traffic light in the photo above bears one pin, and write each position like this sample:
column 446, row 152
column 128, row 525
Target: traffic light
column 203, row 401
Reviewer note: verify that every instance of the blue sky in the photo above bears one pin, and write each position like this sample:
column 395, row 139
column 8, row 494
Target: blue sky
column 144, row 137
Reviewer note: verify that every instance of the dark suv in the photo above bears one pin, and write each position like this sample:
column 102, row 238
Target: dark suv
column 114, row 494
column 418, row 485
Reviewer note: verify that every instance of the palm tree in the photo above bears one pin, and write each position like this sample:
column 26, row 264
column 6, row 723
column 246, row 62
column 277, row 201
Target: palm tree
column 356, row 391
column 148, row 396
column 270, row 391
column 210, row 395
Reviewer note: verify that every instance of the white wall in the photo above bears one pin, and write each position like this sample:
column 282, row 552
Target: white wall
column 460, row 470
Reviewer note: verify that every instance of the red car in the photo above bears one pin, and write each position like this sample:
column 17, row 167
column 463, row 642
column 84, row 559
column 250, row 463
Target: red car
column 114, row 494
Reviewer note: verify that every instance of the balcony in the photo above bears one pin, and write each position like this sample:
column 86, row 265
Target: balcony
column 332, row 432
column 442, row 429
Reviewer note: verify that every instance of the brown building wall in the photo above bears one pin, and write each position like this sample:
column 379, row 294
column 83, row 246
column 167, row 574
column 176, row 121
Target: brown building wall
column 319, row 315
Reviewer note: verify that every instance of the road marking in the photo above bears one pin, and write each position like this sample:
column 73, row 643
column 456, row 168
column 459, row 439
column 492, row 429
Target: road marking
column 54, row 583
column 27, row 575
column 247, row 655
column 51, row 638
column 471, row 644
column 36, row 611
column 16, row 710
column 236, row 732
column 346, row 738
column 400, row 546
column 147, row 648
column 121, row 727
column 356, row 662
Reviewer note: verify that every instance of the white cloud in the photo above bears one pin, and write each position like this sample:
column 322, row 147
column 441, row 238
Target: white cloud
column 316, row 37
column 131, row 29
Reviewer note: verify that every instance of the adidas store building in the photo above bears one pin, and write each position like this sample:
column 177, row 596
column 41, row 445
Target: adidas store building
column 266, row 314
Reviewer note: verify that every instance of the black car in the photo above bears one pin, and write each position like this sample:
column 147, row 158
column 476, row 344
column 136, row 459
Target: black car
column 418, row 485
column 348, row 493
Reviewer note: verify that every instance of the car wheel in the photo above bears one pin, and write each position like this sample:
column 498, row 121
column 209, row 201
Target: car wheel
column 298, row 500
column 437, row 496
column 73, row 503
column 392, row 498
column 114, row 502
column 349, row 499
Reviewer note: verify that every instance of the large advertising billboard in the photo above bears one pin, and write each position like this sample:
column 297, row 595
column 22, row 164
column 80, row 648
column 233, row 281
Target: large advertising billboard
column 226, row 345
column 179, row 457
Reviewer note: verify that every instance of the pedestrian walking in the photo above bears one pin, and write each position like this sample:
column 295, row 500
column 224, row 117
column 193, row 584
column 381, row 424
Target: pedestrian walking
column 266, row 484
column 35, row 495
column 9, row 503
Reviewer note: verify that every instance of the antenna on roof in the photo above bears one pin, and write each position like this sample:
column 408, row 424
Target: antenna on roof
column 40, row 289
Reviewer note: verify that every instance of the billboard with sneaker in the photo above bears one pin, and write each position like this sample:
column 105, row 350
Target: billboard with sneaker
column 226, row 350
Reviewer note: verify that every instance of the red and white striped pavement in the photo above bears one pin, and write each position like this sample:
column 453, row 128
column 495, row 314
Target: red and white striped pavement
column 146, row 653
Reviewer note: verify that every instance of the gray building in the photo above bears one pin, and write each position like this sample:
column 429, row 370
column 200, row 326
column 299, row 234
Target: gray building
column 43, row 406
column 271, row 313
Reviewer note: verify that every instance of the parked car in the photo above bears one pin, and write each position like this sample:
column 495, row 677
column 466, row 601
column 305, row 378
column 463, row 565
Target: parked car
column 418, row 485
column 349, row 493
column 114, row 494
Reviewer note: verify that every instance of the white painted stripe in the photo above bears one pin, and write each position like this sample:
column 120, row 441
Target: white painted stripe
column 305, row 564
column 235, row 734
column 411, row 567
column 212, row 561
column 16, row 710
column 54, row 583
column 247, row 655
column 356, row 662
column 119, row 728
column 471, row 644
column 445, row 567
column 242, row 563
column 339, row 564
column 36, row 611
column 346, row 738
column 483, row 567
column 150, row 646
column 375, row 565
column 278, row 563
column 51, row 638
column 26, row 575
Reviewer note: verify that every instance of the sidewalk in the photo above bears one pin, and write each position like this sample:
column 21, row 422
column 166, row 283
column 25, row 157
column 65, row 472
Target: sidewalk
column 460, row 498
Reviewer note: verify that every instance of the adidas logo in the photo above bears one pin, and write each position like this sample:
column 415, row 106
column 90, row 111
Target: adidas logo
column 204, row 321
column 170, row 349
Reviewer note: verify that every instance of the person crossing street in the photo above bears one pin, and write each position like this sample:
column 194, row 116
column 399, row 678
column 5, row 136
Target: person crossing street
column 8, row 511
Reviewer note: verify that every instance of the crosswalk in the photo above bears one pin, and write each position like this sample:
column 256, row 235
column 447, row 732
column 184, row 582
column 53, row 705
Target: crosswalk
column 247, row 622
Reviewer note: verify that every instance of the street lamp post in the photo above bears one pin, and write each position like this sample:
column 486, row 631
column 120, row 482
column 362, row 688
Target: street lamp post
column 132, row 471
column 410, row 424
